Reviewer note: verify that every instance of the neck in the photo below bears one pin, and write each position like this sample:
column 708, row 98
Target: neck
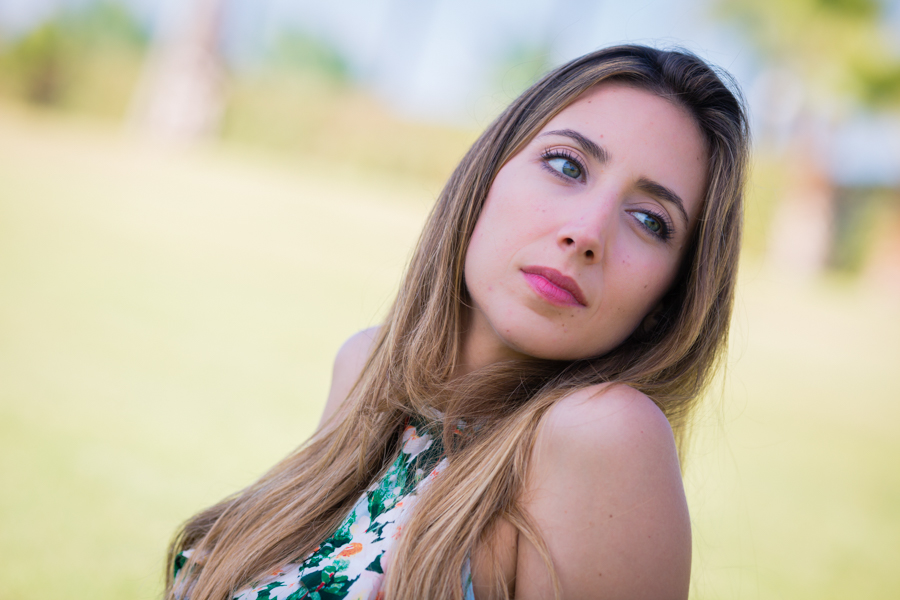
column 481, row 346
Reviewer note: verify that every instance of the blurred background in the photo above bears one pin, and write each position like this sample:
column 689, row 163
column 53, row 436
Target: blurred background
column 200, row 200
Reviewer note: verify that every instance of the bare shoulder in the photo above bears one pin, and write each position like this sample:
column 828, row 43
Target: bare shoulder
column 604, row 489
column 605, row 419
column 348, row 364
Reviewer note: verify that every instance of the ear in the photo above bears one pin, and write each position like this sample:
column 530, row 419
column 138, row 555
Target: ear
column 650, row 321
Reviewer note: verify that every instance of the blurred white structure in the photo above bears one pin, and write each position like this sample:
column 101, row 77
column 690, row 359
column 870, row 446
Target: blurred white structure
column 181, row 94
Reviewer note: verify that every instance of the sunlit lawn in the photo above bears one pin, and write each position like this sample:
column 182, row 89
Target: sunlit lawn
column 167, row 325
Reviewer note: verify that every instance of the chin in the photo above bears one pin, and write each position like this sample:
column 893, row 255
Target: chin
column 539, row 348
column 550, row 345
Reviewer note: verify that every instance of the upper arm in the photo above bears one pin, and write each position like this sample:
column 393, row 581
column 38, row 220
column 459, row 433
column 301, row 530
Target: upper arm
column 605, row 493
column 348, row 365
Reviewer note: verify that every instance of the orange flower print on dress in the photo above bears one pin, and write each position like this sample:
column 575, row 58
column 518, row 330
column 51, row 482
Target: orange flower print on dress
column 396, row 535
column 351, row 549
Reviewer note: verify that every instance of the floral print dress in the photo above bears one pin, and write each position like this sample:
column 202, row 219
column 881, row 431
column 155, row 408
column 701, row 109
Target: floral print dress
column 351, row 563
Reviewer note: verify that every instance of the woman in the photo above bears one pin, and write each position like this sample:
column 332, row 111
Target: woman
column 512, row 429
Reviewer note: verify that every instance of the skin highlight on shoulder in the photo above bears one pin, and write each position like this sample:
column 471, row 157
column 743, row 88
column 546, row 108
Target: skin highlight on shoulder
column 604, row 489
column 348, row 365
column 604, row 416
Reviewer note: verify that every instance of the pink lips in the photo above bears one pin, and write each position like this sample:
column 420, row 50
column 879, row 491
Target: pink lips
column 554, row 286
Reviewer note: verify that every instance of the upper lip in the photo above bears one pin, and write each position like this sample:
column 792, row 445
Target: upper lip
column 558, row 279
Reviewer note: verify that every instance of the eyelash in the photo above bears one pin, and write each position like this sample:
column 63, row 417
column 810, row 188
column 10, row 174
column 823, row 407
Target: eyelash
column 550, row 154
column 668, row 229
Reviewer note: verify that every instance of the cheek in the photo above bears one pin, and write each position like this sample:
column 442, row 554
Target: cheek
column 478, row 267
column 493, row 238
column 640, row 283
column 478, row 250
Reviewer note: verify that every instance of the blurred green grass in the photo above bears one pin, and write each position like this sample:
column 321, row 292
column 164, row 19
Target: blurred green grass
column 167, row 325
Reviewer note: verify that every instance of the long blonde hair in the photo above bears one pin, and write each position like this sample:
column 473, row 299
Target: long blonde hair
column 286, row 513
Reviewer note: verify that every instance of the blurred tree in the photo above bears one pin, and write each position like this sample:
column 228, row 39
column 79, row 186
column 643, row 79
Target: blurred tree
column 836, row 46
column 45, row 63
column 40, row 64
column 826, row 61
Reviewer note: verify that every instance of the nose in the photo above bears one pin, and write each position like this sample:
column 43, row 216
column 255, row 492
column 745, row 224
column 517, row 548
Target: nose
column 587, row 232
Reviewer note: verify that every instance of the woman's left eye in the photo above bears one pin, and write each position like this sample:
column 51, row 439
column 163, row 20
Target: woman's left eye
column 654, row 223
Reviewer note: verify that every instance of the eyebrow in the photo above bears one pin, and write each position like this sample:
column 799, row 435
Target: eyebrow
column 600, row 154
column 648, row 186
column 663, row 193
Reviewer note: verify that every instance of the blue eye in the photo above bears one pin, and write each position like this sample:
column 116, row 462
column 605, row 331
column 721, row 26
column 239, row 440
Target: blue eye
column 654, row 223
column 565, row 166
column 649, row 221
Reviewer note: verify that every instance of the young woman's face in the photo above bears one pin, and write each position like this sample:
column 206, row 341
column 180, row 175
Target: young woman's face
column 583, row 231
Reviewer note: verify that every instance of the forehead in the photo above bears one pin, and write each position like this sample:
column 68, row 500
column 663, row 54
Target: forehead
column 625, row 108
column 621, row 97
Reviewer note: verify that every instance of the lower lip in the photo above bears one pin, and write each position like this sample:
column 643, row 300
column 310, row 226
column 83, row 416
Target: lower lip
column 549, row 291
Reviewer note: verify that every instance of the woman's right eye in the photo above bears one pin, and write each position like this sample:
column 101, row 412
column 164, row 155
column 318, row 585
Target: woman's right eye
column 562, row 164
column 565, row 166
